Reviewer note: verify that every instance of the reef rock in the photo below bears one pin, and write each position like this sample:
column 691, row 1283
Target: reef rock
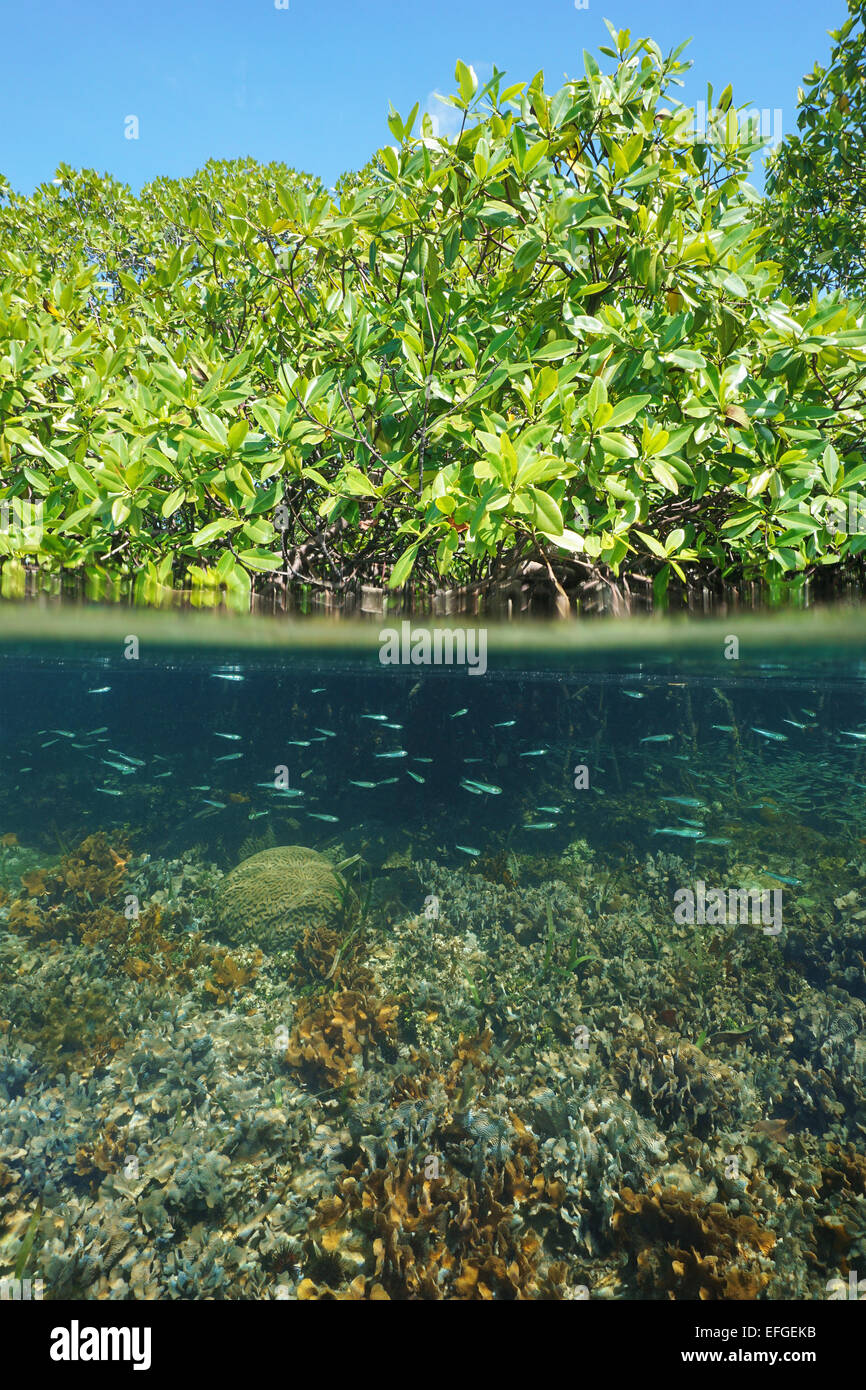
column 270, row 899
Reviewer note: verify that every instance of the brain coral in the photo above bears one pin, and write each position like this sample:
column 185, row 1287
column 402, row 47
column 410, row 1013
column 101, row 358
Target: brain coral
column 270, row 898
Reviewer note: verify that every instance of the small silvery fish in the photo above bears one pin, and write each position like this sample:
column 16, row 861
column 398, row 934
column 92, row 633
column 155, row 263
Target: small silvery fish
column 388, row 781
column 164, row 774
column 100, row 690
column 228, row 757
column 779, row 738
column 535, row 753
column 784, row 878
column 715, row 840
column 328, row 733
column 235, row 738
column 422, row 760
column 634, row 694
column 226, row 676
column 137, row 761
column 795, row 723
column 684, row 834
column 724, row 728
column 299, row 742
column 505, row 724
column 393, row 726
column 321, row 815
column 102, row 730
column 849, row 733
column 467, row 849
column 109, row 791
column 695, row 823
column 362, row 784
column 397, row 753
column 120, row 767
column 416, row 776
column 484, row 786
column 67, row 733
column 317, row 690
column 257, row 815
column 553, row 810
column 685, row 801
column 540, row 825
column 457, row 713
column 219, row 804
column 657, row 738
column 467, row 787
column 380, row 718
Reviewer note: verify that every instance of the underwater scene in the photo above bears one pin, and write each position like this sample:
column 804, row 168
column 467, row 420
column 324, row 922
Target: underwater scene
column 322, row 978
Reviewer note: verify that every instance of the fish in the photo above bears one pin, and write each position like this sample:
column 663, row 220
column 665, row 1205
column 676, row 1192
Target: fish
column 779, row 738
column 228, row 757
column 467, row 849
column 554, row 810
column 795, row 723
column 234, row 737
column 505, row 724
column 67, row 733
column 696, row 823
column 724, row 728
column 685, row 801
column 457, row 713
column 535, row 753
column 322, row 815
column 473, row 760
column 393, row 726
column 299, row 742
column 120, row 767
column 137, row 761
column 219, row 804
column 715, row 840
column 416, row 776
column 540, row 825
column 109, row 791
column 467, row 787
column 810, row 712
column 422, row 760
column 257, row 815
column 103, row 729
column 50, row 744
column 849, row 733
column 784, row 878
column 397, row 753
column 387, row 781
column 685, row 834
column 100, row 690
column 362, row 784
column 207, row 789
column 483, row 786
column 317, row 690
column 657, row 738
column 634, row 694
column 329, row 733
column 380, row 718
column 164, row 774
column 226, row 676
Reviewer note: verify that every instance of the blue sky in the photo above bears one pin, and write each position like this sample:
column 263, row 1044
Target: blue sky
column 310, row 84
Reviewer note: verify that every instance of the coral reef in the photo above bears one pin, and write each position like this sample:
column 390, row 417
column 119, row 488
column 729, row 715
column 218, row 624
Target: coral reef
column 269, row 899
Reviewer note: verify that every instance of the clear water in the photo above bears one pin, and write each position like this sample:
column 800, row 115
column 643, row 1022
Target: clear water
column 597, row 976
